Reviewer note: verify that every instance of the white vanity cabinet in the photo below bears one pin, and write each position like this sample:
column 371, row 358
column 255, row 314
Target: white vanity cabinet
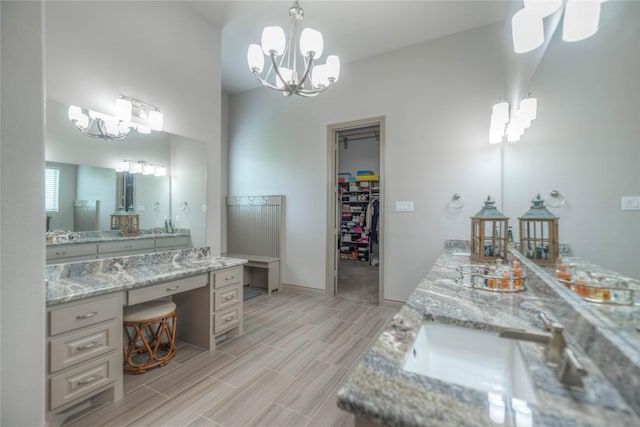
column 84, row 346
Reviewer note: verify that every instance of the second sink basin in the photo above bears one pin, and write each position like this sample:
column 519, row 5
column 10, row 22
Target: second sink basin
column 471, row 358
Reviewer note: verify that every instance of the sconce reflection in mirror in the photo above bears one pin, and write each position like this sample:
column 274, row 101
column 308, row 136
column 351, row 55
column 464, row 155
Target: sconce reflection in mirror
column 456, row 201
column 555, row 199
column 140, row 166
column 130, row 114
column 184, row 206
column 156, row 206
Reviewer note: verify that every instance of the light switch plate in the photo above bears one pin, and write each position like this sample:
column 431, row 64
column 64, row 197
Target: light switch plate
column 204, row 208
column 630, row 203
column 404, row 206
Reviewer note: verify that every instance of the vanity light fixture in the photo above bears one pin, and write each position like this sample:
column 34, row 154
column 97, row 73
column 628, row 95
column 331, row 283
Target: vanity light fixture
column 580, row 21
column 130, row 114
column 142, row 167
column 521, row 120
column 289, row 73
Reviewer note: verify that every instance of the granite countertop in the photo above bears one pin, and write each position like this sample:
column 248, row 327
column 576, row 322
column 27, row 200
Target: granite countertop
column 111, row 235
column 381, row 391
column 78, row 280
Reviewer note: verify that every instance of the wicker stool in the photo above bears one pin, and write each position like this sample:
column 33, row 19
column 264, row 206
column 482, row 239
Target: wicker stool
column 149, row 329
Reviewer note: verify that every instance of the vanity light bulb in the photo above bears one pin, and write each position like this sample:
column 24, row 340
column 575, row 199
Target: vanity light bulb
column 137, row 168
column 156, row 120
column 161, row 171
column 124, row 166
column 148, row 169
column 527, row 30
column 123, row 109
column 581, row 20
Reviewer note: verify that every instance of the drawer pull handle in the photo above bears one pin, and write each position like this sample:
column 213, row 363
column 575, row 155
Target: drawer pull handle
column 229, row 297
column 60, row 253
column 230, row 278
column 173, row 288
column 86, row 316
column 128, row 246
column 88, row 380
column 87, row 346
column 228, row 319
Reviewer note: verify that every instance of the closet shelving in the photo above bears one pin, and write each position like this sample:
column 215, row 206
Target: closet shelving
column 355, row 242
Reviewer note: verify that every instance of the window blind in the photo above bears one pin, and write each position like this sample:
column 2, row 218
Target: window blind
column 51, row 184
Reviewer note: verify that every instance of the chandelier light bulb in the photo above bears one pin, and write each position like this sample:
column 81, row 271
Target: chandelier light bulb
column 311, row 43
column 527, row 30
column 333, row 68
column 255, row 58
column 542, row 8
column 320, row 76
column 156, row 120
column 123, row 109
column 273, row 40
column 581, row 19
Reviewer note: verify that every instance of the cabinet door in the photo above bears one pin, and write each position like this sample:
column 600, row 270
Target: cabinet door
column 73, row 251
column 171, row 243
column 125, row 247
column 227, row 296
column 227, row 277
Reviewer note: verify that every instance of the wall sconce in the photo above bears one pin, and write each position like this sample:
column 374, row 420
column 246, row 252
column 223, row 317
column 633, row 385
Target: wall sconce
column 581, row 20
column 521, row 120
column 130, row 114
column 140, row 166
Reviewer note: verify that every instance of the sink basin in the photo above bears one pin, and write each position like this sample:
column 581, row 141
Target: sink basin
column 471, row 358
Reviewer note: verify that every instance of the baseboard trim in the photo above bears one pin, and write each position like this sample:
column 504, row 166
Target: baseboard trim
column 392, row 303
column 303, row 290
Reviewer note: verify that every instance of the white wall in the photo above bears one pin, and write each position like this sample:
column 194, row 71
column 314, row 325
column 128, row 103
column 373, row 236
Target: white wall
column 22, row 313
column 436, row 98
column 585, row 141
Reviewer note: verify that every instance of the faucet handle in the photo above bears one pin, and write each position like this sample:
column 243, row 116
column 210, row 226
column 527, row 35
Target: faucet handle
column 545, row 320
column 571, row 371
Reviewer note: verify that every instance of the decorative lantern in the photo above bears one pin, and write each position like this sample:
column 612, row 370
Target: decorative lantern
column 489, row 233
column 539, row 233
column 128, row 223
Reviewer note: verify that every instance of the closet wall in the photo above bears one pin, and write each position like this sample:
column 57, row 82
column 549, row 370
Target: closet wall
column 362, row 154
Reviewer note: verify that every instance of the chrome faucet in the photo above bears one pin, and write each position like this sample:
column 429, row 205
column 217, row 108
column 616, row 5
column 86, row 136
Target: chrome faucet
column 571, row 370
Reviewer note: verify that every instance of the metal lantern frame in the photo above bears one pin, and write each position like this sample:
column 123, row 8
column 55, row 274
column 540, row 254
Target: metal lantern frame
column 539, row 234
column 489, row 233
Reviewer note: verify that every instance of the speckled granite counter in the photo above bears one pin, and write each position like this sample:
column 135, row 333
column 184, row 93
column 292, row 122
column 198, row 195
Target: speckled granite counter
column 78, row 280
column 380, row 391
column 112, row 235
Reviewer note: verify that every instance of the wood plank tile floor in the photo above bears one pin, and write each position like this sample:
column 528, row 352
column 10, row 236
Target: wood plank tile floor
column 284, row 371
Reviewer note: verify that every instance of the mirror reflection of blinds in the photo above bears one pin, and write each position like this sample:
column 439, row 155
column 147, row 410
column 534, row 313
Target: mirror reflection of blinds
column 51, row 183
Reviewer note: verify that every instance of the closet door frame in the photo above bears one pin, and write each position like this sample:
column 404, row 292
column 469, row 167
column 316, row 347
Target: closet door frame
column 333, row 224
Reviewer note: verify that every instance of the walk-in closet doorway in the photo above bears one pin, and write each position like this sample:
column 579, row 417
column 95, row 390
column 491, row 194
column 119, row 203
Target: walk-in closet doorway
column 355, row 215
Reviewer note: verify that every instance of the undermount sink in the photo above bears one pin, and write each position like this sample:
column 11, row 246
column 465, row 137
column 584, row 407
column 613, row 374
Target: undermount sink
column 471, row 358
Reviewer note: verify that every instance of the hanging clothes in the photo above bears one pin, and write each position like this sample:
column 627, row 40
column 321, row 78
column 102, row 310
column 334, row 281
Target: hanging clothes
column 371, row 220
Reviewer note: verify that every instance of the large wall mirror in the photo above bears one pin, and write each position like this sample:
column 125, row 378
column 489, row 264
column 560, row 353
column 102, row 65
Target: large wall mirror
column 90, row 189
column 585, row 143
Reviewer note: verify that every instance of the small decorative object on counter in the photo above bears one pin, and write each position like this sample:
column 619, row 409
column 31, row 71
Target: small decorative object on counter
column 595, row 287
column 128, row 223
column 497, row 278
column 539, row 233
column 489, row 233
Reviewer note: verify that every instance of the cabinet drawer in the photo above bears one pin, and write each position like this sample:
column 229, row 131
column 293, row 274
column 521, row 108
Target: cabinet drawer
column 227, row 319
column 79, row 382
column 227, row 277
column 71, row 250
column 227, row 296
column 71, row 259
column 78, row 316
column 149, row 293
column 75, row 347
column 126, row 245
column 171, row 242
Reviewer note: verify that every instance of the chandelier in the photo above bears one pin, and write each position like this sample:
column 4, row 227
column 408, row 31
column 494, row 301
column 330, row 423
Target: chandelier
column 286, row 74
column 114, row 128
